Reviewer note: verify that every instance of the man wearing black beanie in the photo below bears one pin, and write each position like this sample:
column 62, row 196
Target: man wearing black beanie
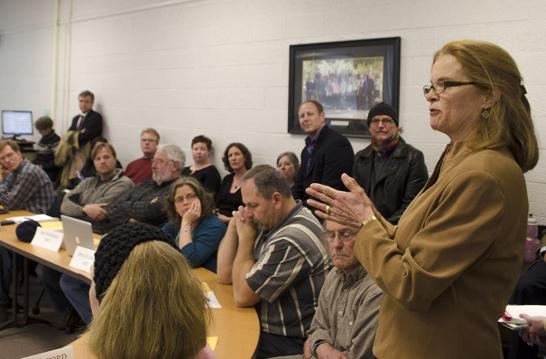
column 391, row 171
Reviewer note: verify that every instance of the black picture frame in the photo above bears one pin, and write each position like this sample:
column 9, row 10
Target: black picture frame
column 347, row 78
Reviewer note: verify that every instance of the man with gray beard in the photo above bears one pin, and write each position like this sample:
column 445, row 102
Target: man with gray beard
column 144, row 203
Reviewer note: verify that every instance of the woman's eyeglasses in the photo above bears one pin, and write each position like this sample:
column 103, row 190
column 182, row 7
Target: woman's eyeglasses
column 441, row 86
column 188, row 197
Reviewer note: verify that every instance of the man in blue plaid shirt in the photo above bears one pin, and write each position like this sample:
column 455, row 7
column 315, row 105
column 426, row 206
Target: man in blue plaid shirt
column 24, row 186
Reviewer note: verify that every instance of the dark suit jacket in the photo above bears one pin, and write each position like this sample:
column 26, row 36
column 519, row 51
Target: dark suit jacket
column 403, row 175
column 91, row 127
column 332, row 155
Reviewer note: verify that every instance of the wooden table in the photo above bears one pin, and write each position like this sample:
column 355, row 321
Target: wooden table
column 237, row 329
column 56, row 260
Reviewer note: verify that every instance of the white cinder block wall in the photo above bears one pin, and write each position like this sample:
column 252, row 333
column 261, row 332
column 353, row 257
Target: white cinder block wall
column 220, row 67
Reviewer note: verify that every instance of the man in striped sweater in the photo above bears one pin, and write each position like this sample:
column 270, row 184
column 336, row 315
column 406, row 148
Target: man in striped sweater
column 274, row 253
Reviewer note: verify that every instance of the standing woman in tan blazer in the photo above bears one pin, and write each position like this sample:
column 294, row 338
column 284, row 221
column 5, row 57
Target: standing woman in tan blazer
column 449, row 266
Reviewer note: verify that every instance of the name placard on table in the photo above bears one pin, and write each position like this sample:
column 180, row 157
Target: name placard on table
column 48, row 239
column 83, row 259
column 63, row 353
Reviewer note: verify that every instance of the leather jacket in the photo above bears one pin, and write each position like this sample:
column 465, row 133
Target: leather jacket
column 403, row 175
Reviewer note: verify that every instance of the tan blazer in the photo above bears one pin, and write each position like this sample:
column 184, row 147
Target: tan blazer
column 449, row 267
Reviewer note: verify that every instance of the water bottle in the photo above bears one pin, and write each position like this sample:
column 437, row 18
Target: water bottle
column 532, row 243
column 532, row 227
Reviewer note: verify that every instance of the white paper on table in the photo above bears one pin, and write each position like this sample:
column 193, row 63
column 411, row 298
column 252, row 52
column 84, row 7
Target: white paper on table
column 533, row 310
column 47, row 239
column 83, row 259
column 212, row 300
column 65, row 353
column 36, row 217
column 511, row 317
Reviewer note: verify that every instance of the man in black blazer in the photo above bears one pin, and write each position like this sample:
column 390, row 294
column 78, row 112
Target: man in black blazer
column 326, row 154
column 88, row 122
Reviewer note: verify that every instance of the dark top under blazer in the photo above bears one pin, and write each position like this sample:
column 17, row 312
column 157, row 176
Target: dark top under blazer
column 209, row 177
column 331, row 157
column 227, row 202
column 92, row 124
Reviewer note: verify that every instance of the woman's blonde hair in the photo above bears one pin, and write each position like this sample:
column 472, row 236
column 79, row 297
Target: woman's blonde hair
column 154, row 308
column 508, row 122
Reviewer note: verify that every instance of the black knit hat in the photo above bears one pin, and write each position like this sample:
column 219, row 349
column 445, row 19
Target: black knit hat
column 115, row 247
column 383, row 108
column 25, row 230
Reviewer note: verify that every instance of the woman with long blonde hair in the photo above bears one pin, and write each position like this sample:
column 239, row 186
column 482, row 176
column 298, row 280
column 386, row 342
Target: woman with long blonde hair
column 146, row 303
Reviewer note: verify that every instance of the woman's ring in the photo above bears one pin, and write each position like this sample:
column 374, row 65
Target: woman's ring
column 327, row 209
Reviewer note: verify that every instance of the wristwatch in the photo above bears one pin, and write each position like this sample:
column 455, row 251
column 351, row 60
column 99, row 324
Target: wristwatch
column 368, row 220
column 315, row 346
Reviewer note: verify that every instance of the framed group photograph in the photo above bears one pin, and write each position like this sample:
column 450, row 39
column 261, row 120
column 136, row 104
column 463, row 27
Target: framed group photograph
column 347, row 78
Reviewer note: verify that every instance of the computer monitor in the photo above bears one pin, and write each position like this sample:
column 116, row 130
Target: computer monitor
column 17, row 123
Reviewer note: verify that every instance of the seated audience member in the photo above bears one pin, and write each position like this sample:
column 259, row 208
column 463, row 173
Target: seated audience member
column 237, row 160
column 530, row 290
column 144, row 203
column 141, row 169
column 274, row 253
column 195, row 229
column 348, row 307
column 326, row 154
column 160, row 312
column 45, row 148
column 288, row 165
column 391, row 171
column 87, row 201
column 23, row 186
column 88, row 169
column 202, row 170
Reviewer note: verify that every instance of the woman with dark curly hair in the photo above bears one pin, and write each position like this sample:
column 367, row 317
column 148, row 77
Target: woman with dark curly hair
column 237, row 160
column 194, row 227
